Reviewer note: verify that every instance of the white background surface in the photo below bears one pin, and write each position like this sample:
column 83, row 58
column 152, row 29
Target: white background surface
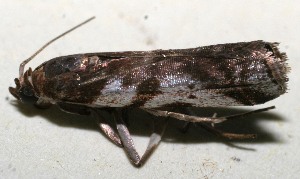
column 51, row 144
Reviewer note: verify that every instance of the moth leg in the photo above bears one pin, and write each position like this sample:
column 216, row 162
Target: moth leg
column 159, row 127
column 185, row 127
column 126, row 138
column 227, row 135
column 212, row 120
column 185, row 117
column 212, row 129
column 128, row 143
column 106, row 128
column 241, row 115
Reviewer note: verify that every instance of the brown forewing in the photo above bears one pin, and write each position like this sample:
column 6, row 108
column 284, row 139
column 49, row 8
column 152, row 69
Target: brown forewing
column 245, row 73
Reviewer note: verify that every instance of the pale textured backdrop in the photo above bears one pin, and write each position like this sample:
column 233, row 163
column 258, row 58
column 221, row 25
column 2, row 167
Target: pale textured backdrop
column 51, row 144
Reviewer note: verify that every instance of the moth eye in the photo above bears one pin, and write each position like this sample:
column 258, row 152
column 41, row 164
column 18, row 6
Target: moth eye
column 27, row 95
column 27, row 91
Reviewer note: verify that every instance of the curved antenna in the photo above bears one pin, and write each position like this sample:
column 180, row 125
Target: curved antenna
column 22, row 65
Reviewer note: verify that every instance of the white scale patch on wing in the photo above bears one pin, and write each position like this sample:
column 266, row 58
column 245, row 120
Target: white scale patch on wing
column 181, row 95
column 114, row 95
column 173, row 80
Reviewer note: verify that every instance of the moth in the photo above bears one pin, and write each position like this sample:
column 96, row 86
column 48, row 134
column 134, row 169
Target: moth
column 233, row 74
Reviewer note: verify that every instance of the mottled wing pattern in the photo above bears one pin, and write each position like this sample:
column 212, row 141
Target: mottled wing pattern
column 227, row 74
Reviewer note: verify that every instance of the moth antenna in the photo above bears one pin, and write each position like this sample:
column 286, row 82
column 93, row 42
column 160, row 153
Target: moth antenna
column 22, row 65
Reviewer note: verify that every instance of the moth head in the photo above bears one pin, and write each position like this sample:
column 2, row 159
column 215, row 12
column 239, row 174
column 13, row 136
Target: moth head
column 24, row 90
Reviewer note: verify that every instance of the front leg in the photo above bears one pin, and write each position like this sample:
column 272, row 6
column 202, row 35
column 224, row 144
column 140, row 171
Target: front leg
column 106, row 128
